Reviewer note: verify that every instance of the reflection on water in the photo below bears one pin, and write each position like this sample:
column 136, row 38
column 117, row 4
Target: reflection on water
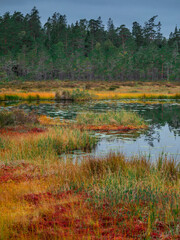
column 150, row 143
column 163, row 134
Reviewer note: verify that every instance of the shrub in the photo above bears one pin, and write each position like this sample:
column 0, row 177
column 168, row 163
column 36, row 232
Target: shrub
column 15, row 117
column 88, row 86
column 6, row 118
column 75, row 95
column 113, row 87
column 80, row 95
column 63, row 95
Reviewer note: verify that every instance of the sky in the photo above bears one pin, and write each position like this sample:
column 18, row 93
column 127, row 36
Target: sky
column 121, row 11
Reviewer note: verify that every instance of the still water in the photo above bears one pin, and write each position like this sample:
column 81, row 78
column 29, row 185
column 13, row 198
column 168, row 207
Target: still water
column 161, row 137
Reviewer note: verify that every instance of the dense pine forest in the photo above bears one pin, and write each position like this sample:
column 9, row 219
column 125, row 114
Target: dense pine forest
column 86, row 50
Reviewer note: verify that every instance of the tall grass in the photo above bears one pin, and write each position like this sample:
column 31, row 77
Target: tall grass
column 48, row 145
column 134, row 198
column 134, row 189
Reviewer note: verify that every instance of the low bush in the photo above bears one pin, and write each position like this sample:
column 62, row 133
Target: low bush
column 16, row 117
column 75, row 95
column 78, row 95
column 63, row 95
column 6, row 118
column 113, row 87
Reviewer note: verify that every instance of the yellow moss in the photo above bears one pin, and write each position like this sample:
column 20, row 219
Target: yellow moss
column 44, row 120
column 98, row 95
column 27, row 96
column 120, row 95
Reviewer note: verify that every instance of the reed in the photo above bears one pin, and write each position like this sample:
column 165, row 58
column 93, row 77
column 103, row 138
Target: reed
column 132, row 191
column 116, row 196
column 46, row 145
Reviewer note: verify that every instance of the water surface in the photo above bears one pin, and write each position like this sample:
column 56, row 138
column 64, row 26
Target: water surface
column 162, row 136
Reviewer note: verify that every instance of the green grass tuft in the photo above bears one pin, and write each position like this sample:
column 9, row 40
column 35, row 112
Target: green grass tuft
column 110, row 118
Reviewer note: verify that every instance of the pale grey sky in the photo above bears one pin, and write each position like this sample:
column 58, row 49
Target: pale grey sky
column 121, row 11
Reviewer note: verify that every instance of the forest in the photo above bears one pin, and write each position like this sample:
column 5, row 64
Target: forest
column 86, row 49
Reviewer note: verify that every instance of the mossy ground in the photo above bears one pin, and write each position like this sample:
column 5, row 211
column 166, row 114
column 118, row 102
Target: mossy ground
column 44, row 197
column 109, row 198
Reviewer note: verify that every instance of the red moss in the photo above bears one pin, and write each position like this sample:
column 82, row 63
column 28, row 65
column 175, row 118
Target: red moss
column 155, row 235
column 36, row 130
column 8, row 173
column 66, row 225
column 35, row 198
column 64, row 194
column 104, row 128
column 61, row 222
column 21, row 130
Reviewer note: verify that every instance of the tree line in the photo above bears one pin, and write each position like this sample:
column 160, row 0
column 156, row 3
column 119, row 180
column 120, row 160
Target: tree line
column 86, row 49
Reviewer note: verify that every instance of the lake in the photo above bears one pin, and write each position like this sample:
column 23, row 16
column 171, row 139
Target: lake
column 161, row 138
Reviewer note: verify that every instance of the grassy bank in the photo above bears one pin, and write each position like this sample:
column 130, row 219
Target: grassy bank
column 73, row 95
column 80, row 95
column 24, row 136
column 110, row 198
column 28, row 96
column 84, row 90
column 98, row 86
column 119, row 95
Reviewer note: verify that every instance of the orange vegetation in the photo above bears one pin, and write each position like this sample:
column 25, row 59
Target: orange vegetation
column 26, row 96
column 44, row 120
column 122, row 95
column 21, row 130
column 36, row 213
column 97, row 95
column 119, row 128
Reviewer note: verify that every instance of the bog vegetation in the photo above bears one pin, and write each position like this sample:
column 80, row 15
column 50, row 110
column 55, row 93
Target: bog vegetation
column 111, row 120
column 44, row 195
column 99, row 198
column 47, row 197
column 82, row 95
